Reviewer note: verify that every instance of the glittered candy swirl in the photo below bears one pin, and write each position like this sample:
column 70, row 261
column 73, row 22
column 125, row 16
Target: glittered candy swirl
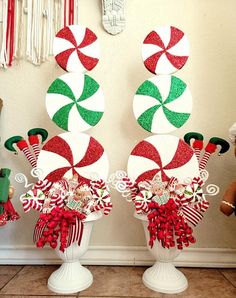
column 165, row 50
column 76, row 49
column 165, row 155
column 75, row 102
column 162, row 104
column 73, row 153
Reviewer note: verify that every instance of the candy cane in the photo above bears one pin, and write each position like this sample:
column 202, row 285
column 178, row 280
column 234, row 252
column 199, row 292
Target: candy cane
column 34, row 139
column 197, row 144
column 43, row 185
column 211, row 148
column 141, row 207
column 131, row 186
column 106, row 206
column 57, row 200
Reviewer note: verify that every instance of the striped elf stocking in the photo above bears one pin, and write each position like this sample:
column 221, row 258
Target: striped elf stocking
column 23, row 146
column 34, row 143
column 210, row 148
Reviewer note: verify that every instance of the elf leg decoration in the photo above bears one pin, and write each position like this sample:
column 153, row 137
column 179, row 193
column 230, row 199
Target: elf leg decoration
column 34, row 139
column 113, row 16
column 197, row 144
column 211, row 148
column 23, row 146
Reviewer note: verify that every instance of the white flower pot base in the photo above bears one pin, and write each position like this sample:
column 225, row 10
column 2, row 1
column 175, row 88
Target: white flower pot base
column 165, row 278
column 162, row 277
column 72, row 277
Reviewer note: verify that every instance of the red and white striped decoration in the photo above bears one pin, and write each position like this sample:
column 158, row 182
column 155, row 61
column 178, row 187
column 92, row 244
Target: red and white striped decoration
column 106, row 207
column 172, row 183
column 197, row 153
column 131, row 187
column 23, row 146
column 141, row 207
column 56, row 200
column 75, row 232
column 204, row 160
column 38, row 230
column 29, row 156
column 191, row 215
column 43, row 185
column 36, row 150
column 101, row 195
column 33, row 199
column 141, row 201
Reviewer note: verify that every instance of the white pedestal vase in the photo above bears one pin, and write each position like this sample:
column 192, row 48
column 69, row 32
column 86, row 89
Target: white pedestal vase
column 72, row 277
column 162, row 276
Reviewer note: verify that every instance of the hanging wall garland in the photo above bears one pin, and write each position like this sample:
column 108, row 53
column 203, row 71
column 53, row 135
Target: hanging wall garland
column 28, row 27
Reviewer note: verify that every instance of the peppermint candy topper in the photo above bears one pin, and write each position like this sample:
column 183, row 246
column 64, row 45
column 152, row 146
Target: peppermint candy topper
column 73, row 153
column 76, row 48
column 162, row 104
column 75, row 102
column 165, row 50
column 167, row 155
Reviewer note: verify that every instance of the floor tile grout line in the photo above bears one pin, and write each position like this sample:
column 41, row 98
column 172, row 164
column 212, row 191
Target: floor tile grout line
column 38, row 295
column 11, row 278
column 226, row 278
column 90, row 296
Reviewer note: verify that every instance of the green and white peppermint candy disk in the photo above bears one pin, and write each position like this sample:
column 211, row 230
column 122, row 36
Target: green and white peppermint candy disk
column 162, row 104
column 75, row 102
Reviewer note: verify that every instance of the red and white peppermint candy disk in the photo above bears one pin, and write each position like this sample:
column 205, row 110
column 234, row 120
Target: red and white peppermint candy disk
column 73, row 153
column 76, row 48
column 164, row 154
column 165, row 50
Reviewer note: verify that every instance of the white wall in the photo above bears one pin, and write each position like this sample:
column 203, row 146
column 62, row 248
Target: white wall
column 210, row 73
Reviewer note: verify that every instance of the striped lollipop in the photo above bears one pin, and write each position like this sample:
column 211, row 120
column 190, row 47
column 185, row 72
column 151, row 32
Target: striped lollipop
column 75, row 102
column 164, row 154
column 73, row 153
column 76, row 48
column 165, row 50
column 162, row 104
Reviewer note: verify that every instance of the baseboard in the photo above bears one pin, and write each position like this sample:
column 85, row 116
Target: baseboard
column 121, row 255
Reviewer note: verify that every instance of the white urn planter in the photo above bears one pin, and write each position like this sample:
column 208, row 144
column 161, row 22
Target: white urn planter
column 72, row 277
column 162, row 276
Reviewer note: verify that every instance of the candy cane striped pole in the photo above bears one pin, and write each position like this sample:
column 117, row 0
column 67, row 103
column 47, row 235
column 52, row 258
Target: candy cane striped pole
column 131, row 186
column 106, row 206
column 141, row 206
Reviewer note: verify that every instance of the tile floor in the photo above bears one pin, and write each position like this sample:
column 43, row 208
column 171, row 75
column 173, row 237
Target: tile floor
column 115, row 281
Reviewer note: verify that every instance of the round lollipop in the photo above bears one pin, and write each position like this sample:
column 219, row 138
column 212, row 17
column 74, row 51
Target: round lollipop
column 75, row 102
column 162, row 104
column 165, row 50
column 73, row 153
column 165, row 154
column 76, row 48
